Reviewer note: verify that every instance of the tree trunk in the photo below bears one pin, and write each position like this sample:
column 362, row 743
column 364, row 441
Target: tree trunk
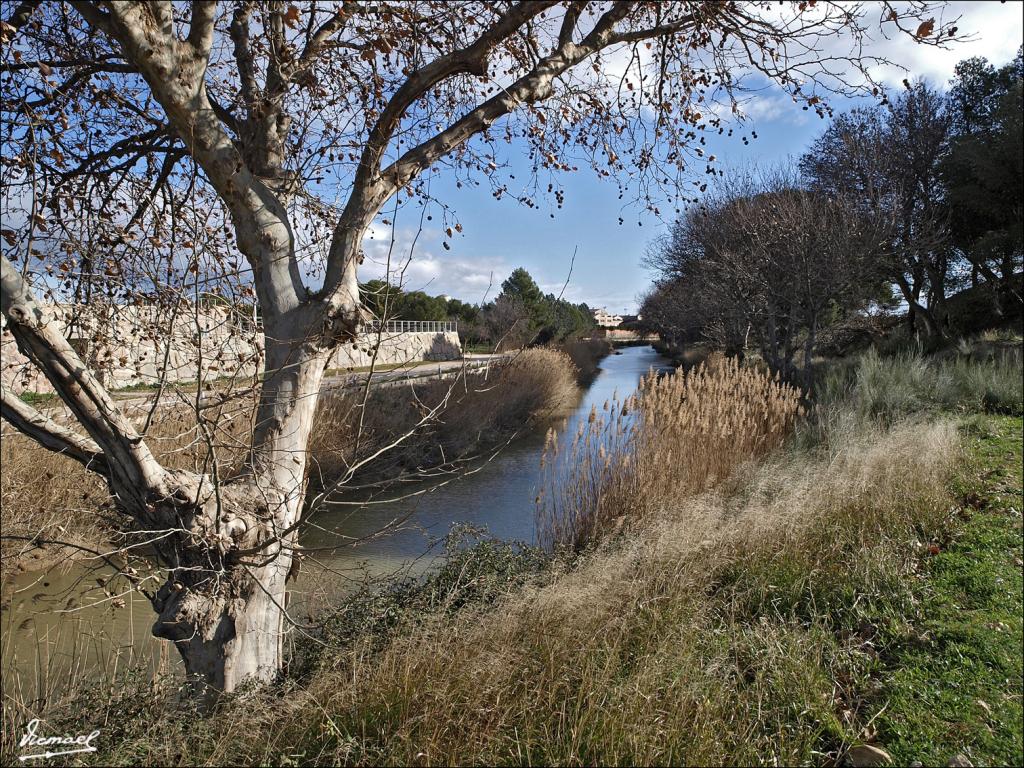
column 223, row 604
column 917, row 310
column 809, row 343
column 225, row 614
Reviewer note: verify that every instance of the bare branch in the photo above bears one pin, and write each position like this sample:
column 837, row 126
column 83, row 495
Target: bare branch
column 49, row 434
column 200, row 32
column 533, row 86
column 136, row 471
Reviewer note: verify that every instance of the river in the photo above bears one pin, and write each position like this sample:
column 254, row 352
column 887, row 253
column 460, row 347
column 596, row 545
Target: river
column 54, row 622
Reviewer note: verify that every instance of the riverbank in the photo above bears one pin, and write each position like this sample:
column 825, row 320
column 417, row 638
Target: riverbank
column 855, row 595
column 45, row 498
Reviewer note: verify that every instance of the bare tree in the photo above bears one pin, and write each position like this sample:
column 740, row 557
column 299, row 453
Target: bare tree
column 296, row 125
column 888, row 159
column 766, row 253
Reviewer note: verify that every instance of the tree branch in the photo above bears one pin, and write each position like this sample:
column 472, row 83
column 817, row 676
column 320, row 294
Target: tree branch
column 200, row 31
column 660, row 30
column 225, row 115
column 92, row 14
column 531, row 87
column 239, row 32
column 134, row 471
column 176, row 80
column 325, row 32
column 572, row 15
column 19, row 17
column 368, row 193
column 51, row 435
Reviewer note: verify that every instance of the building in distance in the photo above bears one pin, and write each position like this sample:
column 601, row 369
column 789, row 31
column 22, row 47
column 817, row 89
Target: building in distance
column 605, row 320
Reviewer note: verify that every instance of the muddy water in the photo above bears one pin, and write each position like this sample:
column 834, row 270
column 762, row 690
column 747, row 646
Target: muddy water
column 68, row 617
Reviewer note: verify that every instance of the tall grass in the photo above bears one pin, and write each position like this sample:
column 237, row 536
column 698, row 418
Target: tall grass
column 893, row 387
column 729, row 629
column 586, row 354
column 678, row 435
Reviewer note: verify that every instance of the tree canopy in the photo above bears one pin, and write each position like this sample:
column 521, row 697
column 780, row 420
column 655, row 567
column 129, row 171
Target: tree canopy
column 917, row 193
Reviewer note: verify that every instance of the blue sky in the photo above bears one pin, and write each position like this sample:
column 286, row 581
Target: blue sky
column 501, row 235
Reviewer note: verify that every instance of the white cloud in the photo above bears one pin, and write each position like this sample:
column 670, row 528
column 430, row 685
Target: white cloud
column 415, row 264
column 996, row 31
column 772, row 105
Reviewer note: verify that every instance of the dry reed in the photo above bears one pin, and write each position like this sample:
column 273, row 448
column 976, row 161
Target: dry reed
column 450, row 419
column 678, row 435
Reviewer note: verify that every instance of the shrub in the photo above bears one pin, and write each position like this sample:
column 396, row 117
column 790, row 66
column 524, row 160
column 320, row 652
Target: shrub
column 890, row 388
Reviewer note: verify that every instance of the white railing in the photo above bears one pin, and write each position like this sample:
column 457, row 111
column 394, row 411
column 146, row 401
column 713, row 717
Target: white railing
column 411, row 326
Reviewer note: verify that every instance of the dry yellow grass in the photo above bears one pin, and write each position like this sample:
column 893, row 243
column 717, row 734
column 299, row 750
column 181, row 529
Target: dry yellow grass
column 703, row 638
column 629, row 656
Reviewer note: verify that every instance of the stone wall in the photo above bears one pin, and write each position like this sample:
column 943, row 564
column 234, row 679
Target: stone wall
column 130, row 346
column 399, row 348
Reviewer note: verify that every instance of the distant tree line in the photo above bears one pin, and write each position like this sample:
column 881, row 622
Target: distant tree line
column 898, row 205
column 521, row 315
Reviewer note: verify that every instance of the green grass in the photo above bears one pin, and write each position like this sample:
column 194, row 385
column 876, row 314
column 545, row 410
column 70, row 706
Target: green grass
column 478, row 349
column 379, row 367
column 36, row 398
column 892, row 387
column 956, row 688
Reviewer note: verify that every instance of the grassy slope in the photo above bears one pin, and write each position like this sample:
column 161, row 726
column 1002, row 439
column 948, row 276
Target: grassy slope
column 862, row 629
column 958, row 687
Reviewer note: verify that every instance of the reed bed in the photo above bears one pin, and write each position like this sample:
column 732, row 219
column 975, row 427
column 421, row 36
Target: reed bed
column 437, row 424
column 679, row 434
column 586, row 355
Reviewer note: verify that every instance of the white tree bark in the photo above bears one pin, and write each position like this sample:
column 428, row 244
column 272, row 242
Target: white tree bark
column 228, row 621
column 232, row 543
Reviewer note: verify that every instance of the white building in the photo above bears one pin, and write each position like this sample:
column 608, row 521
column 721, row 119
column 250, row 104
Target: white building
column 604, row 320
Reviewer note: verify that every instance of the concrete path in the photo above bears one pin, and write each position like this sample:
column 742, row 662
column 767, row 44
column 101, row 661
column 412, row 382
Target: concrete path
column 137, row 404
